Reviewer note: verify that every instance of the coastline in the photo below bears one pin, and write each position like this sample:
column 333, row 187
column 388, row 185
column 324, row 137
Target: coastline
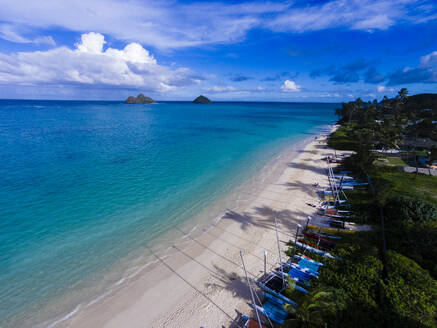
column 200, row 281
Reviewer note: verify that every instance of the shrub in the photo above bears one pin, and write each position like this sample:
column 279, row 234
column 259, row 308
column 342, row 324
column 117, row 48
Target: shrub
column 409, row 293
column 341, row 140
column 408, row 210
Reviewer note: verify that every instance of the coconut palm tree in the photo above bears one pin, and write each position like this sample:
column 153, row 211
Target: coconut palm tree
column 432, row 157
column 313, row 309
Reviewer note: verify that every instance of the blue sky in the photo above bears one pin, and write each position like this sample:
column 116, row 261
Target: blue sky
column 232, row 50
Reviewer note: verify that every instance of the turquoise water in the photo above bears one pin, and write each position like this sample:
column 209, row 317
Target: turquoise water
column 86, row 184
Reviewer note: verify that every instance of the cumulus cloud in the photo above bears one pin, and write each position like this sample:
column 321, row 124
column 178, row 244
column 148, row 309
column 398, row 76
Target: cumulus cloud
column 89, row 63
column 383, row 88
column 426, row 72
column 290, row 86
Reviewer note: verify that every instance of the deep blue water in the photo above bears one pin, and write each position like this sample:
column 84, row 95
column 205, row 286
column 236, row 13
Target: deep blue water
column 84, row 184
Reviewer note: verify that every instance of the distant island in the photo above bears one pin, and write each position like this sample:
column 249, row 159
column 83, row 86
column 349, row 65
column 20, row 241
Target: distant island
column 202, row 100
column 140, row 99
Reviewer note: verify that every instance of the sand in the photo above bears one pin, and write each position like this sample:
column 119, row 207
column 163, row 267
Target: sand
column 203, row 285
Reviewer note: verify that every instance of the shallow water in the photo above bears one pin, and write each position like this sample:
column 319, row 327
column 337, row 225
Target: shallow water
column 84, row 185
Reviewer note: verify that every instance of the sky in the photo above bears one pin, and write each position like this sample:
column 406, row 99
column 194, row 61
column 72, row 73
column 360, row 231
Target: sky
column 302, row 50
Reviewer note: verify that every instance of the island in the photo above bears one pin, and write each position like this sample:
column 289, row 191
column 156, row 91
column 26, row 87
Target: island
column 202, row 100
column 140, row 99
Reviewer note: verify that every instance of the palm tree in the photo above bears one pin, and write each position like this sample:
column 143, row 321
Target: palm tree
column 402, row 94
column 388, row 134
column 366, row 139
column 432, row 157
column 346, row 111
column 381, row 194
column 313, row 310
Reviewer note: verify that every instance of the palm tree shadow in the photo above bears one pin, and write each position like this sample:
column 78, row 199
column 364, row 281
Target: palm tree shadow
column 265, row 218
column 299, row 186
column 246, row 219
column 230, row 281
column 286, row 218
column 308, row 167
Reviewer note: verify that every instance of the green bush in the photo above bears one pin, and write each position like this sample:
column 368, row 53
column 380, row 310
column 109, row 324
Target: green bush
column 417, row 241
column 409, row 294
column 407, row 210
column 341, row 140
column 364, row 297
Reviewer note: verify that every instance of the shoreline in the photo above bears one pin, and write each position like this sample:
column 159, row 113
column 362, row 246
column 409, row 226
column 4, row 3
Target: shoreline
column 207, row 262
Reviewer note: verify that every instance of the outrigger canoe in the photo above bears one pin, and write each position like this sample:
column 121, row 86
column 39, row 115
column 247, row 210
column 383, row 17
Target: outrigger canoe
column 313, row 250
column 326, row 228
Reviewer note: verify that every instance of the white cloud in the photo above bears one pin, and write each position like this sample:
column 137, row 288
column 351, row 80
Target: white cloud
column 220, row 89
column 10, row 33
column 425, row 72
column 44, row 40
column 429, row 60
column 130, row 67
column 290, row 86
column 365, row 15
column 383, row 88
column 91, row 42
column 162, row 24
column 168, row 24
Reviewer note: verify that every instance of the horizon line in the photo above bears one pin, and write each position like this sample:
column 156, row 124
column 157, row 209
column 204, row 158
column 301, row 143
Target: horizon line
column 158, row 101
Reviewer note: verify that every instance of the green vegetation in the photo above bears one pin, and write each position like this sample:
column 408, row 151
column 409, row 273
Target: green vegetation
column 314, row 309
column 356, row 293
column 341, row 140
column 386, row 277
column 391, row 161
column 421, row 186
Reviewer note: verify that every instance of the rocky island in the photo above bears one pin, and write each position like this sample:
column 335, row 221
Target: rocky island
column 202, row 100
column 140, row 99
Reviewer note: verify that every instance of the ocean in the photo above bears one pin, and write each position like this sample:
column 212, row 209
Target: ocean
column 86, row 187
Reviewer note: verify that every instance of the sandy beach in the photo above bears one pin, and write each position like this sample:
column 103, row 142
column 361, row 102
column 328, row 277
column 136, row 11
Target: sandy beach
column 203, row 284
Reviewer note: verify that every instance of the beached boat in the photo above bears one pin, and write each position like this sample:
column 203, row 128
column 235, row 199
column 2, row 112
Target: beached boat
column 320, row 244
column 273, row 284
column 319, row 238
column 325, row 235
column 271, row 314
column 304, row 267
column 328, row 229
column 295, row 273
column 312, row 249
column 334, row 213
column 308, row 259
column 250, row 323
column 330, row 221
column 342, row 177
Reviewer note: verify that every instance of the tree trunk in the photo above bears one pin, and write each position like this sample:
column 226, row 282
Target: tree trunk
column 415, row 155
column 384, row 245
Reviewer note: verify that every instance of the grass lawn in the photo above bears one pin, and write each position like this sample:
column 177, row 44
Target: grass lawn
column 391, row 161
column 340, row 139
column 423, row 186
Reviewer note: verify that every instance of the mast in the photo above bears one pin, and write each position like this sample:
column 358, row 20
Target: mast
column 279, row 253
column 251, row 292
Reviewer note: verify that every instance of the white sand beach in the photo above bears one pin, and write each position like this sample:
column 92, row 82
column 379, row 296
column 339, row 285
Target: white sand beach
column 203, row 285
